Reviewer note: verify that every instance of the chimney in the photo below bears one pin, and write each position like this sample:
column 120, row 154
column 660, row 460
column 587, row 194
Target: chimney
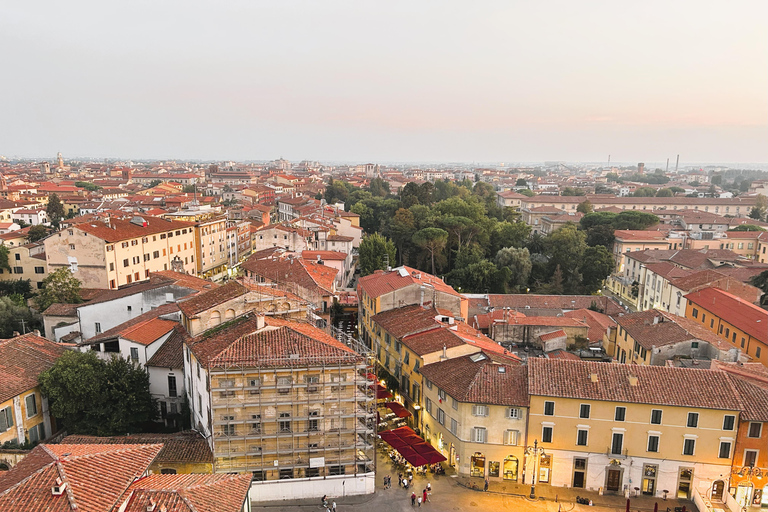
column 593, row 378
column 655, row 320
column 260, row 323
column 632, row 380
column 58, row 488
column 444, row 357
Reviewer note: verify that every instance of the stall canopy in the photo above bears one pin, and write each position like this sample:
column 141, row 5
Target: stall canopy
column 412, row 447
column 381, row 391
column 398, row 409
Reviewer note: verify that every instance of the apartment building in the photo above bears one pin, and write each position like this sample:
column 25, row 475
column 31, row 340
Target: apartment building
column 24, row 414
column 27, row 262
column 476, row 409
column 214, row 247
column 737, row 206
column 612, row 427
column 117, row 252
column 286, row 402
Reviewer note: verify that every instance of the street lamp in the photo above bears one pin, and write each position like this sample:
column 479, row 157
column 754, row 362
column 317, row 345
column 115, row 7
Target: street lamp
column 535, row 452
column 749, row 472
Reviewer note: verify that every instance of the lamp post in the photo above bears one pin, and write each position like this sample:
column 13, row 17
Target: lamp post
column 535, row 452
column 749, row 472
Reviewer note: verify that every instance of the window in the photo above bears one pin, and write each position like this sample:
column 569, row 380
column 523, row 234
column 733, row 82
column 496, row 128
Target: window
column 728, row 422
column 71, row 247
column 549, row 408
column 229, row 429
column 98, row 327
column 479, row 410
column 18, row 270
column 694, row 344
column 755, row 429
column 428, row 405
column 39, row 270
column 111, row 267
column 758, row 351
column 478, row 435
column 620, row 414
column 546, row 434
column 725, row 450
column 750, row 457
column 156, row 254
column 695, row 313
column 312, row 383
column 454, row 426
column 512, row 437
column 31, row 404
column 584, row 411
column 441, row 416
column 284, row 424
column 441, row 395
column 656, row 417
column 581, row 437
column 454, row 404
column 283, row 385
column 6, row 419
column 689, row 446
column 428, row 383
column 126, row 262
column 513, row 413
column 172, row 386
column 693, row 419
column 134, row 354
column 617, row 443
column 653, row 443
column 256, row 423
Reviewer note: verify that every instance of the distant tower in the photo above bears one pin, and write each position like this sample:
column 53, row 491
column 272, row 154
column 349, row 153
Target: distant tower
column 3, row 184
column 46, row 167
column 59, row 161
column 641, row 168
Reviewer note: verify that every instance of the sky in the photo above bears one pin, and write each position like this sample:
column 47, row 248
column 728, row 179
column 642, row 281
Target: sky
column 386, row 81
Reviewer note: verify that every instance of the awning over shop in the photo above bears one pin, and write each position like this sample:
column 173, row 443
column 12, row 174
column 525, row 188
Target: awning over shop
column 381, row 391
column 398, row 409
column 412, row 447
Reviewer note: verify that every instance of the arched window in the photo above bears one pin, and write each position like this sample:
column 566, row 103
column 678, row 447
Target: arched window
column 215, row 318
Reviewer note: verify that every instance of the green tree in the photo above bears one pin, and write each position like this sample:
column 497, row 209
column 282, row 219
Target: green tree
column 55, row 210
column 597, row 265
column 154, row 183
column 87, row 185
column 761, row 281
column 337, row 191
column 717, row 179
column 59, row 287
column 527, row 192
column 401, row 228
column 366, row 216
column 748, row 227
column 4, row 253
column 644, row 192
column 759, row 209
column 518, row 261
column 94, row 397
column 521, row 182
column 633, row 219
column 36, row 233
column 21, row 287
column 664, row 192
column 585, row 207
column 372, row 249
column 565, row 248
column 188, row 189
column 379, row 187
column 16, row 316
column 510, row 234
column 432, row 240
column 570, row 191
column 677, row 190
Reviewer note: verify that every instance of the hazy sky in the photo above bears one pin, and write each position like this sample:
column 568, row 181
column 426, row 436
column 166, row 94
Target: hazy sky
column 386, row 80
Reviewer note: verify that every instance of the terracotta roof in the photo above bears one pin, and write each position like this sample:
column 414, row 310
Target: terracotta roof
column 324, row 255
column 734, row 310
column 383, row 282
column 206, row 300
column 562, row 354
column 188, row 446
column 667, row 270
column 186, row 280
column 484, row 320
column 598, row 323
column 549, row 321
column 133, row 326
column 150, row 331
column 754, row 399
column 553, row 335
column 657, row 385
column 668, row 329
column 189, row 493
column 119, row 229
column 480, row 378
column 170, row 353
column 308, row 275
column 59, row 309
column 22, row 360
column 521, row 301
column 339, row 238
column 406, row 320
column 27, row 486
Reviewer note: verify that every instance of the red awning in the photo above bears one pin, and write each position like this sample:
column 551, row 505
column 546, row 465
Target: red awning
column 398, row 409
column 381, row 391
column 413, row 448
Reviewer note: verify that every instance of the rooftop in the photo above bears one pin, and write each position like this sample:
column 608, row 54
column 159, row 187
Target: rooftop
column 22, row 360
column 734, row 310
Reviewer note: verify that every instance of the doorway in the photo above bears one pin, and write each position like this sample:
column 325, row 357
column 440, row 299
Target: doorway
column 613, row 479
column 649, row 479
column 493, row 468
column 545, row 464
column 684, row 482
column 477, row 465
column 510, row 468
column 579, row 473
column 717, row 490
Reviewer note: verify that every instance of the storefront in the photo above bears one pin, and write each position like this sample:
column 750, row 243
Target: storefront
column 511, row 465
column 477, row 465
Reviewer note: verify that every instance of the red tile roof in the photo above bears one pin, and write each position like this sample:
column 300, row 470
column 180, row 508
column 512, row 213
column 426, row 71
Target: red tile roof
column 188, row 446
column 170, row 353
column 211, row 298
column 150, row 331
column 521, row 302
column 189, row 493
column 553, row 335
column 324, row 255
column 382, row 282
column 598, row 323
column 130, row 327
column 482, row 380
column 96, row 477
column 657, row 385
column 737, row 312
column 406, row 320
column 119, row 229
column 22, row 360
column 654, row 328
column 308, row 275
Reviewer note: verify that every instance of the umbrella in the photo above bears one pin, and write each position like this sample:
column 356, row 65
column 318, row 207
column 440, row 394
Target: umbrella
column 416, row 459
column 422, row 448
column 434, row 457
column 396, row 443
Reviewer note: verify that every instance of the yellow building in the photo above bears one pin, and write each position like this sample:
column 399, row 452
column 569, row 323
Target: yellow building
column 27, row 262
column 212, row 246
column 118, row 252
column 24, row 415
column 476, row 413
column 285, row 401
column 618, row 427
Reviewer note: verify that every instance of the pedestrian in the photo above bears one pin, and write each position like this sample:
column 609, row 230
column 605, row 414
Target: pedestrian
column 419, row 501
column 410, row 478
column 413, row 499
column 405, row 484
column 429, row 487
column 333, row 507
column 399, row 479
column 424, row 495
column 485, row 487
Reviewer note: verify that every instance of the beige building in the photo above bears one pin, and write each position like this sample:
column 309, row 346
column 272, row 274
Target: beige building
column 27, row 262
column 286, row 402
column 212, row 241
column 476, row 414
column 118, row 252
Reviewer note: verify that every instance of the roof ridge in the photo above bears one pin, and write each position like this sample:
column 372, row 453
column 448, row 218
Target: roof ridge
column 70, row 495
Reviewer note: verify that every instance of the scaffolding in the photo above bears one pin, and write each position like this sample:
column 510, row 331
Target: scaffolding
column 295, row 416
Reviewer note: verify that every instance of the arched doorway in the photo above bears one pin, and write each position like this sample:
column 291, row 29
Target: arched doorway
column 510, row 468
column 477, row 465
column 717, row 490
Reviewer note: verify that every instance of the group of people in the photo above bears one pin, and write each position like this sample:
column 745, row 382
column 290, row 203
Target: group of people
column 324, row 501
column 424, row 498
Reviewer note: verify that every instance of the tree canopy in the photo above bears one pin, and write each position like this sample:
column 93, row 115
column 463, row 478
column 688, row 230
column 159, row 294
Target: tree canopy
column 36, row 233
column 747, row 227
column 59, row 287
column 95, row 397
column 373, row 249
column 55, row 210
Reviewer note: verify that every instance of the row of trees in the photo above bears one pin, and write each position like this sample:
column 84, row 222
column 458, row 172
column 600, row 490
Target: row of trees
column 458, row 231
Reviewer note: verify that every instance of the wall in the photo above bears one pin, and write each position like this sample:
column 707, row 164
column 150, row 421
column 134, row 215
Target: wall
column 88, row 254
column 314, row 488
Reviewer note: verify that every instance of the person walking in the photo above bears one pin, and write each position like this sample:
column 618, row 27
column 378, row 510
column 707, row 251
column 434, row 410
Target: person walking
column 424, row 495
column 419, row 501
column 485, row 487
column 333, row 507
column 413, row 499
column 399, row 479
column 405, row 484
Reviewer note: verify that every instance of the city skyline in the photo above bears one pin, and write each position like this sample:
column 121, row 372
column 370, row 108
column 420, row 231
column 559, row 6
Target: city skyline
column 401, row 82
